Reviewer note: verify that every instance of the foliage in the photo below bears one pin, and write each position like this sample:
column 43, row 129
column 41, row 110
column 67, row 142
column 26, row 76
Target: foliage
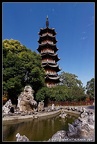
column 21, row 66
column 43, row 93
column 90, row 88
column 61, row 93
column 69, row 80
column 77, row 93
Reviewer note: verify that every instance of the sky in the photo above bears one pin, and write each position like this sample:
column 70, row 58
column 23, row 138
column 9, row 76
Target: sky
column 74, row 23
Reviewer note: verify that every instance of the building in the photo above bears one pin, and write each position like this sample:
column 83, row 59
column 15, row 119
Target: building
column 47, row 48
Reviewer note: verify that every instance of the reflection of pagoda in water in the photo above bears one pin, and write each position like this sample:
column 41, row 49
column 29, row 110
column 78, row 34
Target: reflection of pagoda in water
column 47, row 48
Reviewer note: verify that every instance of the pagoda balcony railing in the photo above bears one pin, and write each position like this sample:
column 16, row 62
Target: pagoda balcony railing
column 48, row 61
column 45, row 42
column 52, row 73
column 47, row 34
column 47, row 51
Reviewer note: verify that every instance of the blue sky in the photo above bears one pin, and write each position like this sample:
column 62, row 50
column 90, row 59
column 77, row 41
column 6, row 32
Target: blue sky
column 74, row 23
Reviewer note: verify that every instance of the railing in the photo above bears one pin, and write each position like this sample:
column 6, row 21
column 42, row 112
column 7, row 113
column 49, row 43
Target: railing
column 46, row 34
column 50, row 51
column 68, row 103
column 51, row 73
column 49, row 42
column 45, row 61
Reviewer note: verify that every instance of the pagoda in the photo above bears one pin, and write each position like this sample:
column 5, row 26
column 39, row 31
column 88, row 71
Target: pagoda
column 47, row 49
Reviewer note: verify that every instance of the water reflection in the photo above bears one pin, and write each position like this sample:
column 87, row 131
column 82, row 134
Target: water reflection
column 37, row 129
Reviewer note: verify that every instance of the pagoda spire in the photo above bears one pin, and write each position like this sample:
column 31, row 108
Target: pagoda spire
column 47, row 22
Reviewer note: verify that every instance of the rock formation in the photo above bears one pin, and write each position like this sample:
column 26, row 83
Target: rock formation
column 21, row 138
column 53, row 106
column 82, row 129
column 6, row 109
column 41, row 106
column 26, row 100
column 63, row 114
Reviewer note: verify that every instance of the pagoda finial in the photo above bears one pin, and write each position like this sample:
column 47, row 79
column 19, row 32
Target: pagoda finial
column 47, row 22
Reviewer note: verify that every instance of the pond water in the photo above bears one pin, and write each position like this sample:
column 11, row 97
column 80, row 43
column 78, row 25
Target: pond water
column 37, row 129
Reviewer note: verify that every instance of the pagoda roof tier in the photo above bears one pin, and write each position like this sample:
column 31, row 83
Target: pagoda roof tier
column 47, row 29
column 52, row 78
column 54, row 66
column 52, row 55
column 47, row 45
column 47, row 37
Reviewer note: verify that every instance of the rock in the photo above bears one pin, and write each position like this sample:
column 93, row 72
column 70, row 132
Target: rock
column 72, row 130
column 91, row 126
column 86, row 127
column 53, row 107
column 12, row 109
column 41, row 106
column 77, row 122
column 26, row 100
column 81, row 128
column 58, row 136
column 21, row 138
column 7, row 107
column 63, row 115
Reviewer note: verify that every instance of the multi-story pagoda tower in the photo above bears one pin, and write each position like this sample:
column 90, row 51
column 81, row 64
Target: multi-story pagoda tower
column 47, row 48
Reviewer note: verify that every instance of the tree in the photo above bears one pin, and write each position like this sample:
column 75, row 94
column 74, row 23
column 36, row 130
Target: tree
column 78, row 93
column 69, row 80
column 43, row 94
column 90, row 88
column 73, row 87
column 21, row 67
column 59, row 93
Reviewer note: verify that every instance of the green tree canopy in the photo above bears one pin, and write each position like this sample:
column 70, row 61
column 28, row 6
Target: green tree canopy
column 21, row 66
column 70, row 80
column 90, row 88
column 61, row 93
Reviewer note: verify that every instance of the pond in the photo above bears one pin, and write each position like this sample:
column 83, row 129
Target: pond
column 41, row 129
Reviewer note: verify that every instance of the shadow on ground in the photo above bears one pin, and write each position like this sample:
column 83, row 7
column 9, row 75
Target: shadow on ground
column 90, row 107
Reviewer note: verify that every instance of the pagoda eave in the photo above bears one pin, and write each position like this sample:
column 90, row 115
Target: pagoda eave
column 47, row 35
column 51, row 54
column 54, row 57
column 47, row 29
column 39, row 41
column 47, row 44
column 47, row 64
column 57, row 69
